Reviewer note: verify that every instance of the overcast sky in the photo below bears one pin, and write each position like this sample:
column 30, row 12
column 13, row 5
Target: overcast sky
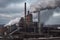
column 11, row 9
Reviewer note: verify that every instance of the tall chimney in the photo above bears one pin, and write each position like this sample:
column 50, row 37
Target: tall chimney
column 25, row 17
column 25, row 10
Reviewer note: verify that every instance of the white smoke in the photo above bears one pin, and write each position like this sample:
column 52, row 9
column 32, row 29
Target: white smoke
column 12, row 22
column 45, row 4
column 41, row 5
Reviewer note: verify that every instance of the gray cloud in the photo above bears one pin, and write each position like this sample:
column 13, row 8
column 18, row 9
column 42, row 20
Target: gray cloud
column 4, row 20
column 53, row 21
column 12, row 10
column 4, row 3
column 5, row 6
column 46, row 15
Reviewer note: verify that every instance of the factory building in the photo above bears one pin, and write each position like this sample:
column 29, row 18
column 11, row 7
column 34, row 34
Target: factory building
column 29, row 19
column 29, row 26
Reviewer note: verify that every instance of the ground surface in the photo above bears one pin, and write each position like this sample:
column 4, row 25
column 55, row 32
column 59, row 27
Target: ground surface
column 49, row 38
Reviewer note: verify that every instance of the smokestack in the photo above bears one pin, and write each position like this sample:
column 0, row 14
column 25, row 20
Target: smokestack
column 28, row 12
column 25, row 10
column 25, row 17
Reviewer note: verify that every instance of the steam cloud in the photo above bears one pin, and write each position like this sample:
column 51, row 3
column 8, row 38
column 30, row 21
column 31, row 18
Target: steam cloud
column 12, row 22
column 45, row 4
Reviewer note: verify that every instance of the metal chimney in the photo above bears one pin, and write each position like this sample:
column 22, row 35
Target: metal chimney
column 25, row 17
column 25, row 10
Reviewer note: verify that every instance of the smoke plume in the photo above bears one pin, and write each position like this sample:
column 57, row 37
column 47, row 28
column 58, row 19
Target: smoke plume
column 40, row 5
column 45, row 4
column 12, row 22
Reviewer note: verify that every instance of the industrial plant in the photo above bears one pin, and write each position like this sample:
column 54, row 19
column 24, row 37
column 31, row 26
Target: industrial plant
column 27, row 29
